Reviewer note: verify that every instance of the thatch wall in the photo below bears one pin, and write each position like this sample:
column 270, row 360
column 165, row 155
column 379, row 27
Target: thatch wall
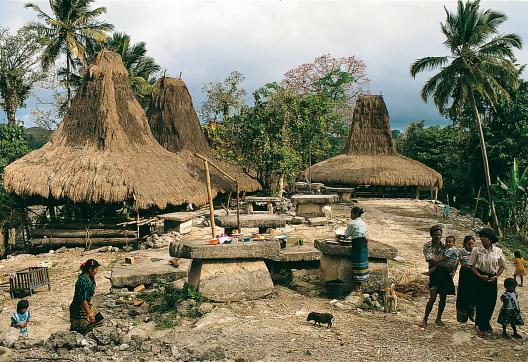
column 176, row 127
column 104, row 151
column 369, row 156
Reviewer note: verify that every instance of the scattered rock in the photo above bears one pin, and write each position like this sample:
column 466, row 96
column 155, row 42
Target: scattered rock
column 107, row 335
column 64, row 340
column 205, row 308
column 128, row 248
column 61, row 249
column 213, row 353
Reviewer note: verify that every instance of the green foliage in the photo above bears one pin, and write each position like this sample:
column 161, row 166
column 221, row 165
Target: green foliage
column 37, row 137
column 18, row 69
column 223, row 99
column 480, row 65
column 163, row 297
column 72, row 27
column 278, row 136
column 512, row 198
column 164, row 301
column 12, row 146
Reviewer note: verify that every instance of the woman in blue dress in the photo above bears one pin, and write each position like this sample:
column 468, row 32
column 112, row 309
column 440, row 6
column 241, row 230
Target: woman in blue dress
column 357, row 231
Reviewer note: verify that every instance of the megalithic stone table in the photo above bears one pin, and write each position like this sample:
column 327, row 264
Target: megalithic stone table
column 312, row 205
column 335, row 263
column 344, row 194
column 229, row 272
column 261, row 221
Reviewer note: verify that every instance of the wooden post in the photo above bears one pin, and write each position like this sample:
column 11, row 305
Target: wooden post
column 436, row 195
column 476, row 205
column 210, row 198
column 238, row 208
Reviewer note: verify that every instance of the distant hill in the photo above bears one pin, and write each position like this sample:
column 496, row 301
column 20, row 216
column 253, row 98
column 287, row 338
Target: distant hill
column 37, row 137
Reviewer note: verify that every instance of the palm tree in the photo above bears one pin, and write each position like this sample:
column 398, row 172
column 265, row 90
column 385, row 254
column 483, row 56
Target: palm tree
column 72, row 28
column 481, row 65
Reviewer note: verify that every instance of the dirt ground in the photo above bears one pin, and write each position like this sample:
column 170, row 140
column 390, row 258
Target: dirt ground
column 274, row 329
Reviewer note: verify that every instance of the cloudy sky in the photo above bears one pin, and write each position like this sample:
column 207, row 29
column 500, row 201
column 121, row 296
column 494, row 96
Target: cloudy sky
column 205, row 40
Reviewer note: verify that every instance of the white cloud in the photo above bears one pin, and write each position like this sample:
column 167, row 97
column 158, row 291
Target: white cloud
column 263, row 39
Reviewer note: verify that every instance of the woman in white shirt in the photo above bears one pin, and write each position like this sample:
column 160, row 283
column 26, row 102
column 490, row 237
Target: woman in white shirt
column 357, row 231
column 487, row 263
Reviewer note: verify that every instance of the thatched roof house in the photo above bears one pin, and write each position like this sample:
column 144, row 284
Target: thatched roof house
column 175, row 125
column 370, row 158
column 103, row 151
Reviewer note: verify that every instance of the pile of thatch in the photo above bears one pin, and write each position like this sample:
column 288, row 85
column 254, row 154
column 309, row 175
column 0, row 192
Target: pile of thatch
column 369, row 157
column 175, row 125
column 104, row 151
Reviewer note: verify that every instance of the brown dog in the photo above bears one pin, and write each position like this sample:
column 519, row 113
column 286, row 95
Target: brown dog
column 390, row 299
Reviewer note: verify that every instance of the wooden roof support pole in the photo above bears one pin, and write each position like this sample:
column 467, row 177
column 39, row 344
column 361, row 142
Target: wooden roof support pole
column 210, row 198
column 208, row 180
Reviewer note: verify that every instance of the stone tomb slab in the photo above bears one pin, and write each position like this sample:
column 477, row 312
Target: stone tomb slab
column 180, row 222
column 231, row 280
column 376, row 249
column 343, row 193
column 130, row 276
column 240, row 250
column 335, row 264
column 309, row 206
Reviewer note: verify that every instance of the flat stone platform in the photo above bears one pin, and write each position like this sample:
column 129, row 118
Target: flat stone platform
column 240, row 250
column 183, row 215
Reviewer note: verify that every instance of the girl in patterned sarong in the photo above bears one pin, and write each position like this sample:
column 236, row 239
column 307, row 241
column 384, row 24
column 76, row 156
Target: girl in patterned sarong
column 82, row 315
column 357, row 231
column 465, row 305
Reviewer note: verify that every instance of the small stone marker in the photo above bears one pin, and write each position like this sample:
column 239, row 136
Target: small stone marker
column 130, row 260
column 139, row 288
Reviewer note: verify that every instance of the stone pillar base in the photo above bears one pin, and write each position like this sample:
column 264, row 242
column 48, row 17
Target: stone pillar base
column 230, row 280
column 334, row 267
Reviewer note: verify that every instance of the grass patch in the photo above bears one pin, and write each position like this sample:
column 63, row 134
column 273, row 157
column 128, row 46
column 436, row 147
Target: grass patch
column 512, row 243
column 167, row 320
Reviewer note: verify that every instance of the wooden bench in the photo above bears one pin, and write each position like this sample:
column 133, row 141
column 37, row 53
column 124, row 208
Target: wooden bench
column 28, row 280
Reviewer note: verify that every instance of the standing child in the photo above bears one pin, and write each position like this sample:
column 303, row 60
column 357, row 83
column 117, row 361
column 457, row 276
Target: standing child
column 20, row 319
column 451, row 254
column 447, row 211
column 518, row 261
column 450, row 257
column 510, row 312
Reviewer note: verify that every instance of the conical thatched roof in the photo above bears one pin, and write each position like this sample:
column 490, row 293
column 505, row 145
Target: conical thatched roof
column 175, row 125
column 369, row 157
column 104, row 151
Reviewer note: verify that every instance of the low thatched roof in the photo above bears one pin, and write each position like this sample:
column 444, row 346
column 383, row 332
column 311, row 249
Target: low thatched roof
column 369, row 157
column 176, row 126
column 104, row 151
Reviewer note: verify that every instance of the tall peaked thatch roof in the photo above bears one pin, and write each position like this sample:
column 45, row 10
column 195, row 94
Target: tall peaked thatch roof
column 369, row 156
column 176, row 126
column 104, row 151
